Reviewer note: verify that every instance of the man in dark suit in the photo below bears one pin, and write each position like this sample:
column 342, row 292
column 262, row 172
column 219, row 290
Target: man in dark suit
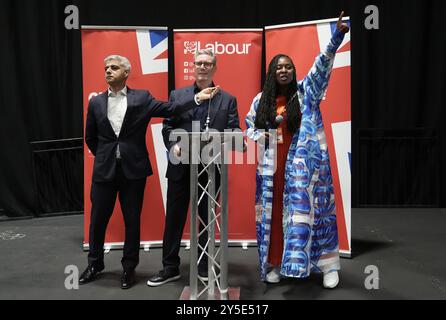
column 222, row 115
column 115, row 133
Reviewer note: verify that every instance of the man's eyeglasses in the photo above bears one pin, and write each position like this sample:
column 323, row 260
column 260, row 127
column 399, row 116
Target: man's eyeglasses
column 206, row 65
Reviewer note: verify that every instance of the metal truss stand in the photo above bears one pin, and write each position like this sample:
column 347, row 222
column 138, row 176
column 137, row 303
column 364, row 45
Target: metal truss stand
column 216, row 286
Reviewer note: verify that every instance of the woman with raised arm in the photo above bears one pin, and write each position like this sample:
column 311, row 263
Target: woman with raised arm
column 295, row 211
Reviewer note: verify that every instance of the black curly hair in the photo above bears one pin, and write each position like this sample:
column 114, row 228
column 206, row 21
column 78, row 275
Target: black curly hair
column 267, row 110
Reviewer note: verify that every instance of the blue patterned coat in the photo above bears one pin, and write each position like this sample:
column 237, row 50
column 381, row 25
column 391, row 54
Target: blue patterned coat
column 309, row 213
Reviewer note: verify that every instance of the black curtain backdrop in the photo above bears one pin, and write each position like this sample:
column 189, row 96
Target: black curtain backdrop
column 398, row 86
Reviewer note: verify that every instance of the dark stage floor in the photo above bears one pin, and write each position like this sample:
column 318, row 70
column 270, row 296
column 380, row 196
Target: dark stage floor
column 407, row 246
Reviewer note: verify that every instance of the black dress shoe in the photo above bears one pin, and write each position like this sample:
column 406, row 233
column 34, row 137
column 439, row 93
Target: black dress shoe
column 203, row 275
column 128, row 279
column 89, row 274
column 163, row 277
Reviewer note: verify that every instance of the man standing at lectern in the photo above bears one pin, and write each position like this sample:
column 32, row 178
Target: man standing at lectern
column 222, row 115
column 115, row 133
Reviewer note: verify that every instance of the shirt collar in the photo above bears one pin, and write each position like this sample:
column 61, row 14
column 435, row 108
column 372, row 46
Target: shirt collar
column 196, row 89
column 121, row 92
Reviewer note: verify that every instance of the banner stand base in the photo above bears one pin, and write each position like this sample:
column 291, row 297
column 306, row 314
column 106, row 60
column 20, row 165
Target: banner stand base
column 233, row 294
column 345, row 254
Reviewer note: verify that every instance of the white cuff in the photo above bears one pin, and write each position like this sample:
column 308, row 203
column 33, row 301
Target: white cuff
column 196, row 100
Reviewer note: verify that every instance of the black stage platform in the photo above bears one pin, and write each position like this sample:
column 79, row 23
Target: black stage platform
column 407, row 246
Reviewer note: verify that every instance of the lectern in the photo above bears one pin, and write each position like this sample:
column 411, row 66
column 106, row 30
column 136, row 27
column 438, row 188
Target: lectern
column 208, row 151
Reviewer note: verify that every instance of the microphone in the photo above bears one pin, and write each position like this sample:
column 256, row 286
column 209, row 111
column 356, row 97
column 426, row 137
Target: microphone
column 279, row 120
column 276, row 124
column 208, row 119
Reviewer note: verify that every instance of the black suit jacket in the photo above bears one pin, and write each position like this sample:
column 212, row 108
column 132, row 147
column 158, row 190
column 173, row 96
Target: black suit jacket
column 102, row 140
column 223, row 115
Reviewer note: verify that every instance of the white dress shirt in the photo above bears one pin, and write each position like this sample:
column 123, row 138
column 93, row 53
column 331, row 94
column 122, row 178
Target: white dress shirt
column 116, row 109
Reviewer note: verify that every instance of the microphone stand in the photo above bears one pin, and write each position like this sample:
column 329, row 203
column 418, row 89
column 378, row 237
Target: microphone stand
column 208, row 121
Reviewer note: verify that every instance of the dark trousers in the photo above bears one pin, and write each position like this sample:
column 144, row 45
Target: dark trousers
column 178, row 196
column 103, row 198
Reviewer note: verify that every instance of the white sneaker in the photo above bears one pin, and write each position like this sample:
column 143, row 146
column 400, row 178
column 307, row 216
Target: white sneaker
column 331, row 279
column 273, row 276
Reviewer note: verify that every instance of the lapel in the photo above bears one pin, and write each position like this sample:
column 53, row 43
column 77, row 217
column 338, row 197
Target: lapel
column 130, row 105
column 190, row 91
column 104, row 111
column 215, row 106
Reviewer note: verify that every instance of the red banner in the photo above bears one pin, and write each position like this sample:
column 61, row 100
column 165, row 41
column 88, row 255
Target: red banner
column 239, row 54
column 146, row 48
column 303, row 42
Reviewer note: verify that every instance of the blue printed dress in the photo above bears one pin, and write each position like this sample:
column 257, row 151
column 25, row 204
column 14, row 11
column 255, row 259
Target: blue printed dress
column 309, row 213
